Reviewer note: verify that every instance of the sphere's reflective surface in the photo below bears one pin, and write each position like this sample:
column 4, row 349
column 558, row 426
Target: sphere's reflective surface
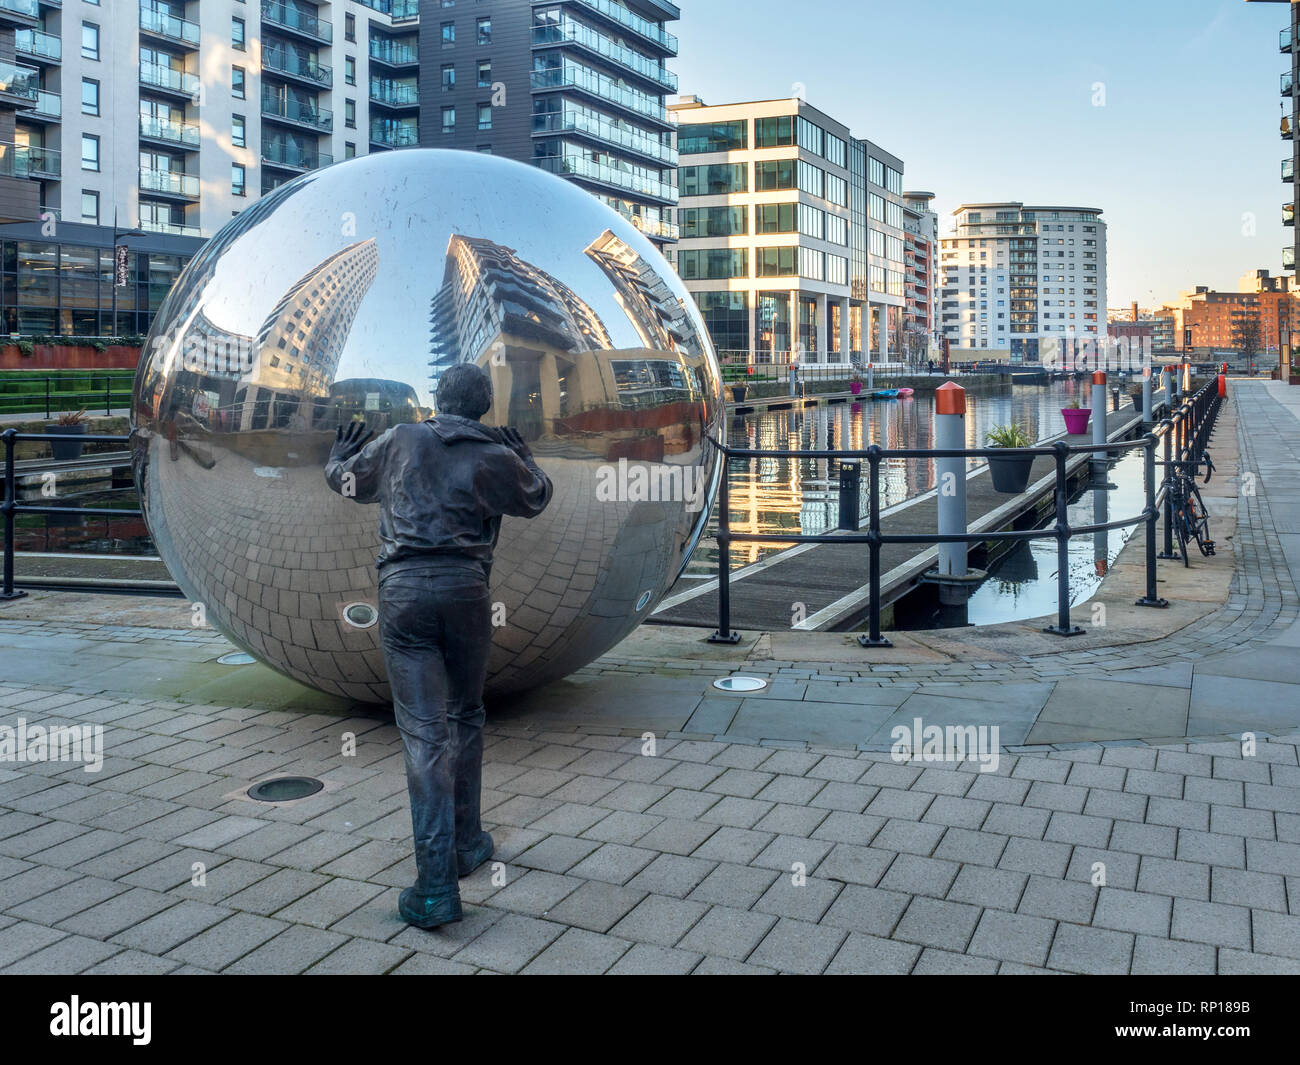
column 348, row 291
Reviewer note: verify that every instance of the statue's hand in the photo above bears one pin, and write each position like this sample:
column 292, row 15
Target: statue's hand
column 515, row 442
column 348, row 440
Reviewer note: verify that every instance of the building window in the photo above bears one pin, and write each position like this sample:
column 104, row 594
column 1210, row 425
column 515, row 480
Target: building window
column 713, row 263
column 238, row 180
column 774, row 174
column 774, row 132
column 89, row 41
column 449, row 120
column 349, row 27
column 350, row 70
column 90, row 206
column 237, row 40
column 238, row 131
column 712, row 137
column 449, row 35
column 485, row 73
column 89, row 96
column 484, row 116
column 776, row 262
column 350, row 114
column 714, row 221
column 485, row 31
column 237, row 82
column 448, row 78
column 349, row 150
column 774, row 217
column 713, row 180
column 89, row 152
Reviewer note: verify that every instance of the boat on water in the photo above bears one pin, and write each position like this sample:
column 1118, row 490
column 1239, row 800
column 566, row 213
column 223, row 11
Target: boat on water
column 903, row 392
column 885, row 393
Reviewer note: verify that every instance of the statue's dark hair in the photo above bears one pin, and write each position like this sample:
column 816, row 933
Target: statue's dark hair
column 464, row 389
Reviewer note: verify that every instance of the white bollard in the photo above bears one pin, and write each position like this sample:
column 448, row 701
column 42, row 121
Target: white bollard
column 1099, row 416
column 1147, row 417
column 950, row 475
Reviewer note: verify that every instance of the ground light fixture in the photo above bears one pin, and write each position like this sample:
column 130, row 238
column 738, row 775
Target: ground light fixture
column 237, row 658
column 738, row 683
column 284, row 789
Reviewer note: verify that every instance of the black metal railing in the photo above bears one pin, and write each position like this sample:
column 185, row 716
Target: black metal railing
column 11, row 508
column 116, row 391
column 1185, row 431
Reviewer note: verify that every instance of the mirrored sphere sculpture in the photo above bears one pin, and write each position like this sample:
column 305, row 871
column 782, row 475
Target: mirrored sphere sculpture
column 347, row 292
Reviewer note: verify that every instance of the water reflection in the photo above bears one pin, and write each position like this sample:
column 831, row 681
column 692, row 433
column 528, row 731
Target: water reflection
column 801, row 495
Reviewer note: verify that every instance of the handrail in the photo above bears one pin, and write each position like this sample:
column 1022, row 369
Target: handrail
column 1184, row 432
column 10, row 507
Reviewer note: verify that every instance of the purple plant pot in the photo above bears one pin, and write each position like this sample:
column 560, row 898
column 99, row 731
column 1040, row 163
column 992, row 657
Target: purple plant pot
column 1076, row 419
column 855, row 387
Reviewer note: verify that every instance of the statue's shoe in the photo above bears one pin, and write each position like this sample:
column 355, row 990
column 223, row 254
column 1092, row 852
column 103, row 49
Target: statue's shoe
column 468, row 861
column 428, row 911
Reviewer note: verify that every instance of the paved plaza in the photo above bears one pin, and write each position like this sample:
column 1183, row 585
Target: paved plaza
column 646, row 822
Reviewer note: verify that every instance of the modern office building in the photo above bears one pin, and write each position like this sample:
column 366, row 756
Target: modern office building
column 150, row 123
column 792, row 238
column 921, row 248
column 1015, row 274
column 577, row 87
column 1289, row 45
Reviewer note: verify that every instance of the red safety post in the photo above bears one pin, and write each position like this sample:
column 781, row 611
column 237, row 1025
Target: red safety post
column 1223, row 385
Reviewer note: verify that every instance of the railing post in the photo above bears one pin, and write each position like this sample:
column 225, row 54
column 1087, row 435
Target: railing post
column 108, row 396
column 873, row 637
column 1167, row 551
column 1063, row 626
column 1152, row 597
column 47, row 398
column 724, row 633
column 10, row 502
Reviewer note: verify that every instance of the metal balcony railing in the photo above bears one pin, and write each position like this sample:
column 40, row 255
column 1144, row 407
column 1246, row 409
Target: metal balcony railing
column 29, row 161
column 165, row 24
column 298, row 66
column 280, row 14
column 169, row 181
column 163, row 77
column 185, row 134
column 38, row 43
column 304, row 112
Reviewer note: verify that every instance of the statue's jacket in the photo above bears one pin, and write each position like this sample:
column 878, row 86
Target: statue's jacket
column 442, row 487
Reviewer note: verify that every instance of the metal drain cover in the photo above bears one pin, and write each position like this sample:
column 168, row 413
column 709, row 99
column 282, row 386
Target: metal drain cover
column 284, row 789
column 237, row 658
column 740, row 684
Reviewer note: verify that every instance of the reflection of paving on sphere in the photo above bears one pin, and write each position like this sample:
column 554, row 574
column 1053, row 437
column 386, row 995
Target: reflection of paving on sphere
column 346, row 293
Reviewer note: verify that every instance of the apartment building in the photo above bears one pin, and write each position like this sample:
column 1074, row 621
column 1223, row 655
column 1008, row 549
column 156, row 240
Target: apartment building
column 792, row 238
column 921, row 248
column 1015, row 274
column 1206, row 319
column 1289, row 46
column 576, row 87
column 150, row 123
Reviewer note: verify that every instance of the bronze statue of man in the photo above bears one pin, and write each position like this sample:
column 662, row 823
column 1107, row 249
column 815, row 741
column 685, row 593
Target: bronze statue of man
column 442, row 486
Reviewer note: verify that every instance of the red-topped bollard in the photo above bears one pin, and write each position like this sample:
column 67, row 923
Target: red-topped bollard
column 1099, row 416
column 950, row 474
column 1223, row 386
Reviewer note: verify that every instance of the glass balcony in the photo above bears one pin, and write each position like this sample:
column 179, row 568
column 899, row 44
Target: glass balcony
column 26, row 8
column 299, row 67
column 1288, row 258
column 19, row 81
column 1288, row 173
column 651, row 31
column 175, row 229
column 291, row 154
column 1287, row 82
column 40, row 44
column 577, row 76
column 48, row 104
column 170, row 182
column 393, row 93
column 161, row 77
column 394, row 8
column 394, row 53
column 280, row 14
column 29, row 161
column 578, row 33
column 1284, row 40
column 1288, row 214
column 168, row 25
column 300, row 111
column 395, row 136
column 161, row 129
column 580, row 166
column 603, row 129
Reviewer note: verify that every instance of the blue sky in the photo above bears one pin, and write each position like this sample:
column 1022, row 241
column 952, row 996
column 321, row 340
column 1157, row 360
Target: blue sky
column 1185, row 145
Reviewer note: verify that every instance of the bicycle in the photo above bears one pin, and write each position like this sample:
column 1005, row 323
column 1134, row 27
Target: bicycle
column 1191, row 518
